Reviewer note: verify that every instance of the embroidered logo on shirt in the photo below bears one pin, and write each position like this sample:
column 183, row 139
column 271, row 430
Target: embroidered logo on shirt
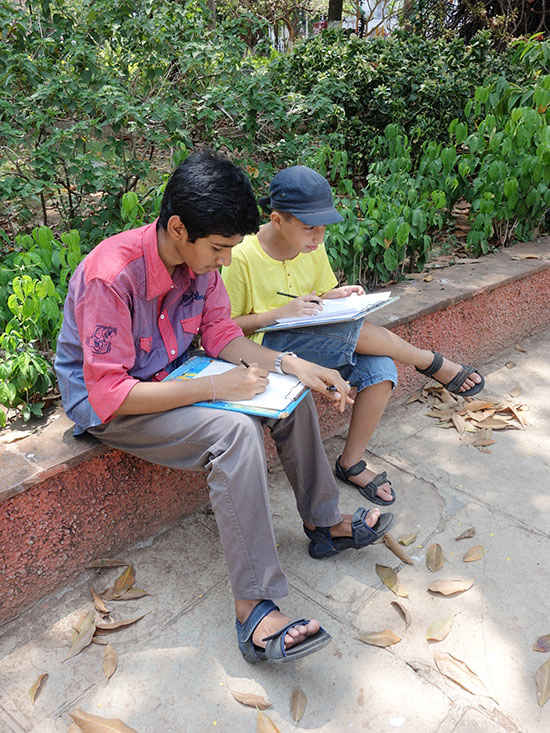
column 100, row 341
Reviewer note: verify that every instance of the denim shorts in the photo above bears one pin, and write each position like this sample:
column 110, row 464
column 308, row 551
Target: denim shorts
column 333, row 345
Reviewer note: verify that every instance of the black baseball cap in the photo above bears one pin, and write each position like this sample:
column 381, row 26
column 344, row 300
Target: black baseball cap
column 305, row 194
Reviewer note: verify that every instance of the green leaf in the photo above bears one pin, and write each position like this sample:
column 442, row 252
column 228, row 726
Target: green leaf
column 390, row 259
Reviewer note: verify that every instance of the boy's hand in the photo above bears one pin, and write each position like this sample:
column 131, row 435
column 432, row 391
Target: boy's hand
column 344, row 291
column 319, row 378
column 305, row 305
column 241, row 383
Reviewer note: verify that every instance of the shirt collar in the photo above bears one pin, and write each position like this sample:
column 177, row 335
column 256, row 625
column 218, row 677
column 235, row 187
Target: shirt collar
column 159, row 281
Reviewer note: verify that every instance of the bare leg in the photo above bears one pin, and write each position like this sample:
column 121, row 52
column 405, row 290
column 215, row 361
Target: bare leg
column 276, row 620
column 369, row 407
column 379, row 341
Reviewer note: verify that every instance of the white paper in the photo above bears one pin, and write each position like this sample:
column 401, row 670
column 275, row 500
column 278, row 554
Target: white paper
column 343, row 306
column 282, row 389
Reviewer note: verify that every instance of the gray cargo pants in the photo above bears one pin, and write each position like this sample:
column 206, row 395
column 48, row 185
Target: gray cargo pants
column 230, row 446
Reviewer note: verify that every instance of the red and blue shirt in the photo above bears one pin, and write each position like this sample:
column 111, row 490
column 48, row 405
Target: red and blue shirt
column 126, row 319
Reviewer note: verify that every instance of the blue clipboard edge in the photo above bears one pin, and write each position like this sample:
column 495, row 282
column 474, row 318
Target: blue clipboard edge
column 193, row 366
column 337, row 319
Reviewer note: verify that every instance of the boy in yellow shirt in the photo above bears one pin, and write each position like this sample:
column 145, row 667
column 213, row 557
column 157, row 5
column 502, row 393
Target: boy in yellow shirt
column 287, row 255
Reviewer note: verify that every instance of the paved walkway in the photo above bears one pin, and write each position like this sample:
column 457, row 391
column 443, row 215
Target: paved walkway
column 176, row 664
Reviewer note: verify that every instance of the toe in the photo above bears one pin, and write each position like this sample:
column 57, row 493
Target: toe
column 372, row 517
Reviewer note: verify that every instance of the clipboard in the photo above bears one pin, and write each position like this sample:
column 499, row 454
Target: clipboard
column 283, row 394
column 336, row 310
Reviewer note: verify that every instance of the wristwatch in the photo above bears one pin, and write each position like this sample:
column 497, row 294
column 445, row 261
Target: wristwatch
column 277, row 366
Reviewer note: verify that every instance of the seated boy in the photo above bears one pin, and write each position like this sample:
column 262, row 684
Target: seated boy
column 287, row 256
column 134, row 305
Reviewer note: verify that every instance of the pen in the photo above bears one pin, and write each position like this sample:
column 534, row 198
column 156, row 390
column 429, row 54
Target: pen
column 331, row 388
column 244, row 363
column 289, row 295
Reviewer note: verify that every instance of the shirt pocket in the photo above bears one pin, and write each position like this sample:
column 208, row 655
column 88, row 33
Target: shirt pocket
column 146, row 343
column 192, row 324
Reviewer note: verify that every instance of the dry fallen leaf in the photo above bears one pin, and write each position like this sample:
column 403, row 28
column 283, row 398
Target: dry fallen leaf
column 35, row 689
column 404, row 611
column 298, row 702
column 102, row 628
column 542, row 679
column 448, row 586
column 458, row 671
column 428, row 278
column 470, row 532
column 107, row 563
column 438, row 630
column 519, row 347
column 474, row 553
column 95, row 724
column 434, row 557
column 390, row 580
column 379, row 638
column 459, row 422
column 407, row 539
column 392, row 545
column 84, row 635
column 264, row 724
column 124, row 581
column 110, row 661
column 251, row 699
column 542, row 644
column 98, row 602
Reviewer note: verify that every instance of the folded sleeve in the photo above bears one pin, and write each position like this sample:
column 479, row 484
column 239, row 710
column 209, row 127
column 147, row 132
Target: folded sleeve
column 105, row 329
column 217, row 329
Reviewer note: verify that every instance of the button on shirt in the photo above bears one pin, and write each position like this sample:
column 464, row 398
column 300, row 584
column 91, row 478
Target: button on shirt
column 127, row 320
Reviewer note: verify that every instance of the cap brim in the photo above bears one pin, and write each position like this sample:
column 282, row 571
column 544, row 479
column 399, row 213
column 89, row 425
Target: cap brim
column 318, row 218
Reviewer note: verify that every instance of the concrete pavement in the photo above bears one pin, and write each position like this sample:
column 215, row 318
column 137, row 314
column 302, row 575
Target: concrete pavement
column 176, row 664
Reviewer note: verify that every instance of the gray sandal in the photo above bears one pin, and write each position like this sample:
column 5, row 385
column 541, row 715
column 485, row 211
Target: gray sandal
column 275, row 648
column 457, row 381
column 370, row 489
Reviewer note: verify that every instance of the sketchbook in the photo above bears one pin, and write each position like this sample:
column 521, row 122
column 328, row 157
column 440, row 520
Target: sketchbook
column 337, row 310
column 284, row 391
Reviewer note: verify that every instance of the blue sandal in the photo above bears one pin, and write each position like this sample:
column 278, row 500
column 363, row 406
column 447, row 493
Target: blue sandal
column 458, row 380
column 323, row 545
column 275, row 649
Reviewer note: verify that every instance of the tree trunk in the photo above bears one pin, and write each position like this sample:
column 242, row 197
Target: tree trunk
column 335, row 10
column 212, row 8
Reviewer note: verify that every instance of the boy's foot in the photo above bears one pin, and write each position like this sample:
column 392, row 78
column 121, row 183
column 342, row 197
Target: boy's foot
column 274, row 621
column 448, row 371
column 383, row 491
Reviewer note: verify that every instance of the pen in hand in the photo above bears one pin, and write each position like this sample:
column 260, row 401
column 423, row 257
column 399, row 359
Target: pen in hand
column 245, row 363
column 289, row 295
column 331, row 388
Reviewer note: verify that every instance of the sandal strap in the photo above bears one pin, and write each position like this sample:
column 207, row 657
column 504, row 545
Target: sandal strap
column 354, row 470
column 435, row 366
column 322, row 539
column 458, row 380
column 359, row 529
column 256, row 615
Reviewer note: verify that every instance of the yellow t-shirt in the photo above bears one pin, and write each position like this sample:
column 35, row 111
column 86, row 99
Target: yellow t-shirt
column 253, row 278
